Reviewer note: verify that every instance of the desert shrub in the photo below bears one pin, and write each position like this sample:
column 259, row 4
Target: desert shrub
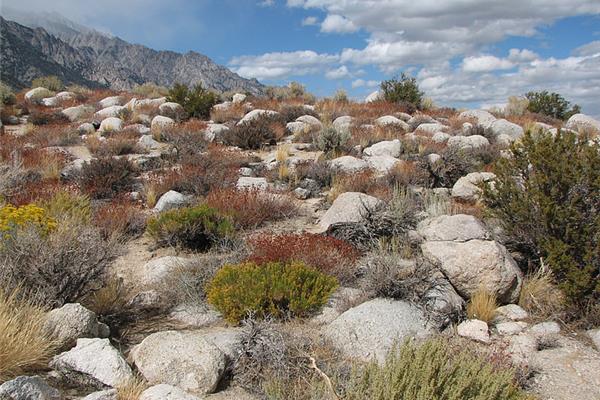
column 197, row 227
column 65, row 204
column 290, row 113
column 409, row 173
column 28, row 216
column 234, row 112
column 251, row 208
column 482, row 305
column 340, row 96
column 150, row 90
column 403, row 90
column 272, row 289
column 38, row 117
column 118, row 145
column 253, row 134
column 434, row 371
column 319, row 171
column 106, row 177
column 24, row 343
column 332, row 141
column 7, row 97
column 364, row 182
column 61, row 267
column 188, row 139
column 293, row 90
column 516, row 106
column 329, row 255
column 455, row 163
column 50, row 82
column 547, row 196
column 551, row 104
column 119, row 218
column 540, row 296
column 197, row 101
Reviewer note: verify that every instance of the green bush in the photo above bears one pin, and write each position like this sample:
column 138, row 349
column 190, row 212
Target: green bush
column 7, row 97
column 332, row 141
column 197, row 227
column 434, row 371
column 196, row 102
column 272, row 289
column 403, row 90
column 551, row 104
column 50, row 82
column 547, row 195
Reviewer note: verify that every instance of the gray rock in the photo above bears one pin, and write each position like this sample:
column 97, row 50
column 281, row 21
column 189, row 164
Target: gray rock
column 155, row 271
column 215, row 132
column 246, row 182
column 171, row 110
column 457, row 228
column 545, row 328
column 511, row 328
column 583, row 123
column 111, row 124
column 391, row 120
column 193, row 316
column 238, row 98
column 348, row 207
column 309, row 119
column 254, row 114
column 37, row 94
column 443, row 302
column 373, row 97
column 147, row 142
column 77, row 113
column 348, row 164
column 392, row 148
column 110, row 394
column 342, row 124
column 475, row 263
column 430, row 128
column 468, row 142
column 169, row 201
column 71, row 322
column 182, row 359
column 440, row 137
column 301, row 193
column 111, row 101
column 504, row 127
column 594, row 334
column 28, row 388
column 465, row 189
column 382, row 164
column 166, row 392
column 86, row 129
column 369, row 331
column 160, row 123
column 138, row 128
column 474, row 329
column 480, row 117
column 93, row 362
column 108, row 112
column 510, row 312
column 297, row 127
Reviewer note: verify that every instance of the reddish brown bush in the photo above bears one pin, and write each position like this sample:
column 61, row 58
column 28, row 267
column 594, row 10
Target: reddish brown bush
column 119, row 218
column 251, row 208
column 329, row 255
column 106, row 177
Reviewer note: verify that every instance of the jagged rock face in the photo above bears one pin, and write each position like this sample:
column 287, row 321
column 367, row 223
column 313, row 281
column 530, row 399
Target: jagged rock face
column 90, row 58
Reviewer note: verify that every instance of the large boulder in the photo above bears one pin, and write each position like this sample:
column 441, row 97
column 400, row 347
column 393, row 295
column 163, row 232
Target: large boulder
column 297, row 127
column 215, row 132
column 171, row 110
column 348, row 207
column 509, row 129
column 343, row 123
column 28, row 388
column 73, row 321
column 382, row 164
column 390, row 120
column 111, row 101
column 431, row 128
column 255, row 114
column 238, row 98
column 391, row 148
column 182, row 359
column 111, row 124
column 37, row 94
column 169, row 201
column 160, row 123
column 155, row 271
column 474, row 329
column 348, row 164
column 456, row 228
column 466, row 188
column 476, row 263
column 480, row 117
column 55, row 100
column 93, row 362
column 79, row 112
column 112, row 111
column 369, row 331
column 583, row 123
column 467, row 142
column 309, row 119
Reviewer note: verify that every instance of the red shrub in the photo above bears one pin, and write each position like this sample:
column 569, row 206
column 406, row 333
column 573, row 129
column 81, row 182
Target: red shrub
column 329, row 255
column 119, row 218
column 251, row 208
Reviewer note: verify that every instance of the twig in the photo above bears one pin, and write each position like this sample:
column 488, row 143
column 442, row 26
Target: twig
column 313, row 365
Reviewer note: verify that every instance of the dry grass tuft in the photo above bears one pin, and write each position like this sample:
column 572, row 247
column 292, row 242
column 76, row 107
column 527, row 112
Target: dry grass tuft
column 24, row 345
column 482, row 305
column 132, row 389
column 540, row 296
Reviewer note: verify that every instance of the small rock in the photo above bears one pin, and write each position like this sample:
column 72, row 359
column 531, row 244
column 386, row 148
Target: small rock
column 86, row 129
column 171, row 110
column 373, row 97
column 510, row 312
column 457, row 228
column 77, row 113
column 468, row 142
column 28, row 388
column 545, row 328
column 254, row 114
column 111, row 101
column 108, row 112
column 246, row 182
column 73, row 321
column 169, row 201
column 348, row 164
column 342, row 124
column 110, row 394
column 37, row 94
column 594, row 334
column 166, row 392
column 193, row 316
column 238, row 98
column 504, row 127
column 160, row 123
column 511, row 328
column 466, row 189
column 348, row 207
column 301, row 193
column 111, row 124
column 392, row 148
column 474, row 329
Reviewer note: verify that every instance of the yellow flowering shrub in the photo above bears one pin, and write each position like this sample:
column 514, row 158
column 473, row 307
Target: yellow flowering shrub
column 12, row 218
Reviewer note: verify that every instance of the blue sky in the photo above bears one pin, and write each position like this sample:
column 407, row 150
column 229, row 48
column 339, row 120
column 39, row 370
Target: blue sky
column 464, row 53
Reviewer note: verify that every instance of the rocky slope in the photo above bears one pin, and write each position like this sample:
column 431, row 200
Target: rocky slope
column 91, row 58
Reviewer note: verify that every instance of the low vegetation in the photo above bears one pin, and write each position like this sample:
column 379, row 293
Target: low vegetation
column 196, row 101
column 403, row 90
column 272, row 289
column 551, row 104
column 482, row 305
column 50, row 82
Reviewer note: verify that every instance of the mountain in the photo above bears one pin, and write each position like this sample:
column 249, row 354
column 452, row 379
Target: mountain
column 49, row 44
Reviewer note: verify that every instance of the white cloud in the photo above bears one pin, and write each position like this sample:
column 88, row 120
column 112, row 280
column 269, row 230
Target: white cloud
column 589, row 49
column 267, row 3
column 338, row 24
column 309, row 21
column 338, row 73
column 362, row 83
column 485, row 63
column 282, row 64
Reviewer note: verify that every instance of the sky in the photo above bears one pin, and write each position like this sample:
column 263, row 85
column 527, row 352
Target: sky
column 464, row 53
